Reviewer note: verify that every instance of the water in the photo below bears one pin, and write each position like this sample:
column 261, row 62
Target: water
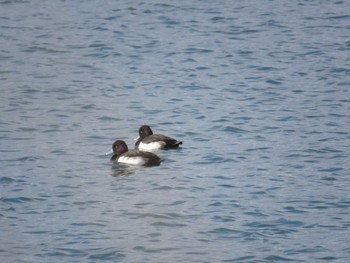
column 257, row 90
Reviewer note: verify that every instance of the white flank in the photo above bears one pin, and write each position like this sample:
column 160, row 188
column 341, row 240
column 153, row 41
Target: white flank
column 151, row 146
column 137, row 160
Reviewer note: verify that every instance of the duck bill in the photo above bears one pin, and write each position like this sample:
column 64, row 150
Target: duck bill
column 137, row 138
column 109, row 153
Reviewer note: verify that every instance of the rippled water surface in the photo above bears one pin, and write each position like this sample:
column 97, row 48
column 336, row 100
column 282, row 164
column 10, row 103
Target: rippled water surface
column 257, row 90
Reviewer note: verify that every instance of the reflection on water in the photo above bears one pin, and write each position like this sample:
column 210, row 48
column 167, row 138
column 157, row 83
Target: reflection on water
column 123, row 170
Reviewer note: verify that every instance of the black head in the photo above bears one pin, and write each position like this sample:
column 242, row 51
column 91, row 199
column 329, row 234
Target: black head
column 145, row 131
column 119, row 147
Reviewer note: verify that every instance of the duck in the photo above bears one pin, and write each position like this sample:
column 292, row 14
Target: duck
column 121, row 154
column 148, row 141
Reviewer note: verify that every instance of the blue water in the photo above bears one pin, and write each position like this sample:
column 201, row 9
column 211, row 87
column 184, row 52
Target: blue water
column 258, row 91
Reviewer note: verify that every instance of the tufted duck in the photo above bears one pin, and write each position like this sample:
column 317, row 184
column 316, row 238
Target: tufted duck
column 148, row 141
column 135, row 157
